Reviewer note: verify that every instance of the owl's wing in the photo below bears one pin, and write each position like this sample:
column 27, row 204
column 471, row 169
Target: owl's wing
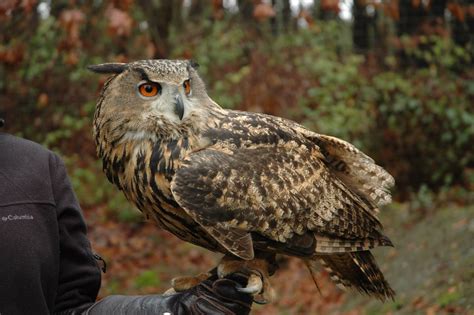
column 355, row 169
column 277, row 191
column 358, row 171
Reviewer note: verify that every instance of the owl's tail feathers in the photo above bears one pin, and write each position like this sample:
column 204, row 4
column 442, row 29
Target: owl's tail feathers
column 355, row 269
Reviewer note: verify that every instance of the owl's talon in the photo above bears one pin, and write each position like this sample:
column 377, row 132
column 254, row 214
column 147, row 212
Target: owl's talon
column 258, row 283
column 254, row 285
column 170, row 291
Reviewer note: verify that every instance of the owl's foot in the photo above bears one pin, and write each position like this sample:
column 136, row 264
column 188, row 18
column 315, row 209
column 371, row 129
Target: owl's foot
column 184, row 283
column 259, row 276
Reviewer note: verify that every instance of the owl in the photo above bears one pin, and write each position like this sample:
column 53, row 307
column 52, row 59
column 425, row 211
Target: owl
column 248, row 185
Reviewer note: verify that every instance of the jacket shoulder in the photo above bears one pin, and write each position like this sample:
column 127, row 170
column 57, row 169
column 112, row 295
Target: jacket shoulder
column 26, row 169
column 12, row 145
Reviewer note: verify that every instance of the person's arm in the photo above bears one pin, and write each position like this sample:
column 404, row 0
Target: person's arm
column 79, row 274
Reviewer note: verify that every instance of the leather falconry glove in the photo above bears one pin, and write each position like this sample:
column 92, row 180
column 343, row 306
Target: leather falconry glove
column 211, row 296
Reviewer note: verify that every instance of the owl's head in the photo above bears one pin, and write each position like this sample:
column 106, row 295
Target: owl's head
column 149, row 96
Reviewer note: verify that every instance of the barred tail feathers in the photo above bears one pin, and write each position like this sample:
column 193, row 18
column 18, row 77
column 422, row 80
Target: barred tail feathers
column 355, row 269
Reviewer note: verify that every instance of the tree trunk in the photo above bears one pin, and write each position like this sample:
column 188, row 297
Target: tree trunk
column 159, row 17
column 360, row 26
column 178, row 14
column 246, row 10
column 274, row 20
column 286, row 15
column 411, row 17
column 196, row 9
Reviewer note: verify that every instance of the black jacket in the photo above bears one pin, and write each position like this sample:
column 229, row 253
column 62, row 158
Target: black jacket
column 46, row 262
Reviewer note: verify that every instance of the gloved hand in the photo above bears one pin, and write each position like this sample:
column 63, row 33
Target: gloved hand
column 212, row 296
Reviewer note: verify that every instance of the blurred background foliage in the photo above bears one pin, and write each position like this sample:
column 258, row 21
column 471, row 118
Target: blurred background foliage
column 394, row 77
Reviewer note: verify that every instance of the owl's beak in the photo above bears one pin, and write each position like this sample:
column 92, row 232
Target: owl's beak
column 179, row 106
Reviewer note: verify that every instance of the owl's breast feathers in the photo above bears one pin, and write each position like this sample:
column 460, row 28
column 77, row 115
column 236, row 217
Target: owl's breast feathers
column 143, row 167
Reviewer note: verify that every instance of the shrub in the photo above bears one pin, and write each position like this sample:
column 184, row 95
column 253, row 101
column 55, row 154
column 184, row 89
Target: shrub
column 425, row 124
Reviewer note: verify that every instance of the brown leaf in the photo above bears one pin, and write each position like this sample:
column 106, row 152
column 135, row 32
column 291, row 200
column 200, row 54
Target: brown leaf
column 415, row 3
column 418, row 303
column 217, row 9
column 12, row 55
column 42, row 101
column 330, row 6
column 460, row 224
column 263, row 11
column 71, row 17
column 28, row 5
column 6, row 6
column 457, row 11
column 71, row 21
column 470, row 10
column 391, row 9
column 123, row 5
column 120, row 22
column 433, row 310
column 307, row 16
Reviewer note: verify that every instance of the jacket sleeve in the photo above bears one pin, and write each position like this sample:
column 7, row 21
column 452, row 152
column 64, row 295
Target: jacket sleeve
column 79, row 273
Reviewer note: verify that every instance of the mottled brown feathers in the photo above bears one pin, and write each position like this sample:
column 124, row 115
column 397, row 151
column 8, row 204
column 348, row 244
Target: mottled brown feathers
column 241, row 183
column 357, row 170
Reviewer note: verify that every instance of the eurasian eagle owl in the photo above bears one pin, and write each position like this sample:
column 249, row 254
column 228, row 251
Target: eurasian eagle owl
column 245, row 184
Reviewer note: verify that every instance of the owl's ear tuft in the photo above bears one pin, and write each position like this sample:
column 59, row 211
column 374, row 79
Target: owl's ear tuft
column 193, row 64
column 108, row 68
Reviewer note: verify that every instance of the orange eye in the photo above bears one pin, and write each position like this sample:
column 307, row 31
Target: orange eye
column 187, row 87
column 149, row 89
